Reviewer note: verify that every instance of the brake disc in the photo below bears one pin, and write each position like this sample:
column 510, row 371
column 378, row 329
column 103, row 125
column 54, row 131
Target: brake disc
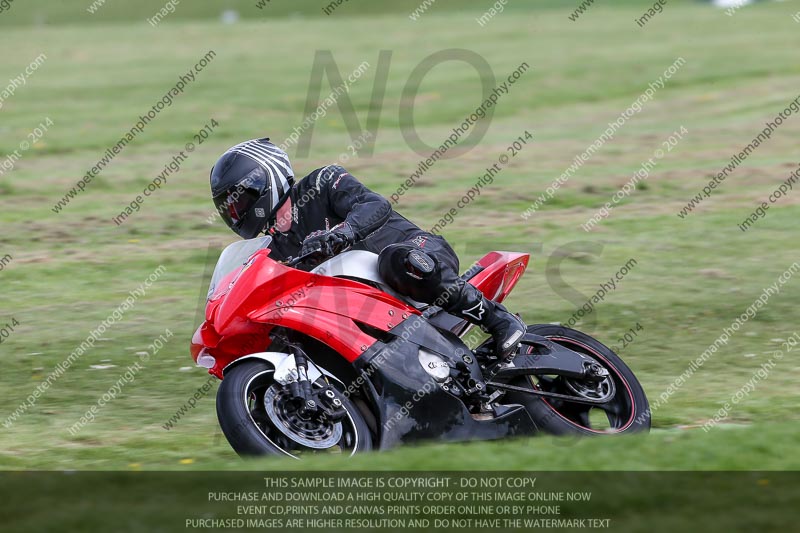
column 308, row 432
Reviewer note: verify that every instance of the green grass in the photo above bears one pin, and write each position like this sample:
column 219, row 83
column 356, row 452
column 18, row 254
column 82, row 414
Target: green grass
column 694, row 276
column 75, row 12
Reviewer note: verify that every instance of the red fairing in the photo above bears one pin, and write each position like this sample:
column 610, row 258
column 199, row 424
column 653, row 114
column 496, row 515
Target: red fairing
column 197, row 343
column 263, row 294
column 501, row 271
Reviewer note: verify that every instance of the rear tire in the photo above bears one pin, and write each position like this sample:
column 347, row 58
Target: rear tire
column 627, row 412
column 252, row 430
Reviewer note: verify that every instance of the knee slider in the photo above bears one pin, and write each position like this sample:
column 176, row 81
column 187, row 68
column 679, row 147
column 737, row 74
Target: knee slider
column 419, row 265
column 409, row 271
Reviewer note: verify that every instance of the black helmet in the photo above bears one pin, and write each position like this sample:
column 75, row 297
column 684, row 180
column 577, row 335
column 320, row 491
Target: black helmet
column 249, row 183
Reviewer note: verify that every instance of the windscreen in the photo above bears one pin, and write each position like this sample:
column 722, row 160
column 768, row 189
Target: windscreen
column 234, row 256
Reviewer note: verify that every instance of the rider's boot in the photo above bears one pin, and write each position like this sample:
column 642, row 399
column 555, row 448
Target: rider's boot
column 505, row 328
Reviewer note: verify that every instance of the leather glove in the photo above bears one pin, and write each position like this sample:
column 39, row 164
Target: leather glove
column 329, row 243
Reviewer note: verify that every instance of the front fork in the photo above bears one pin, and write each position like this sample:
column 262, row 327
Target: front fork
column 312, row 402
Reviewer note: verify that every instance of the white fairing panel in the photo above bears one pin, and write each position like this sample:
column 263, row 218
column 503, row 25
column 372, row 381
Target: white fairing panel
column 360, row 264
column 353, row 264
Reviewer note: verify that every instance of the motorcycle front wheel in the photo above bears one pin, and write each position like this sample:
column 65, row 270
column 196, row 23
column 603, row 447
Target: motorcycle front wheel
column 259, row 417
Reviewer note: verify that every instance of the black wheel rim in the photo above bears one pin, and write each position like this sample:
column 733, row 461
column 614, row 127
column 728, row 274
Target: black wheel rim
column 254, row 401
column 617, row 413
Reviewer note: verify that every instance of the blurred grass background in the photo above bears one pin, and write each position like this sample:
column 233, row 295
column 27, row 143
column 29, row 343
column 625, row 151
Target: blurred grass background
column 694, row 276
column 40, row 12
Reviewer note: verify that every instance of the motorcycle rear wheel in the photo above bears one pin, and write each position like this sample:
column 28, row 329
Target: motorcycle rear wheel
column 626, row 412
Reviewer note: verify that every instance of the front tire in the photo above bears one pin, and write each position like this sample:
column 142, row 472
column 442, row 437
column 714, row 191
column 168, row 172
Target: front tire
column 627, row 412
column 257, row 420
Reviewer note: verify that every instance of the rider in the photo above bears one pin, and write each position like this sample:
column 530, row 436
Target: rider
column 329, row 211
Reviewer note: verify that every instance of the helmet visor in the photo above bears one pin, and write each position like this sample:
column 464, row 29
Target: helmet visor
column 234, row 205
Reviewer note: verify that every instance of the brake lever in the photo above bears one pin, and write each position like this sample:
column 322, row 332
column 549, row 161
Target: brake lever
column 292, row 262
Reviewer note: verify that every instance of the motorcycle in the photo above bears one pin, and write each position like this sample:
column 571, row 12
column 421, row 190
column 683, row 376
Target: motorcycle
column 333, row 360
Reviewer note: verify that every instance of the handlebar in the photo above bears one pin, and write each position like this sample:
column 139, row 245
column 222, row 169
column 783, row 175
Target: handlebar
column 294, row 261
